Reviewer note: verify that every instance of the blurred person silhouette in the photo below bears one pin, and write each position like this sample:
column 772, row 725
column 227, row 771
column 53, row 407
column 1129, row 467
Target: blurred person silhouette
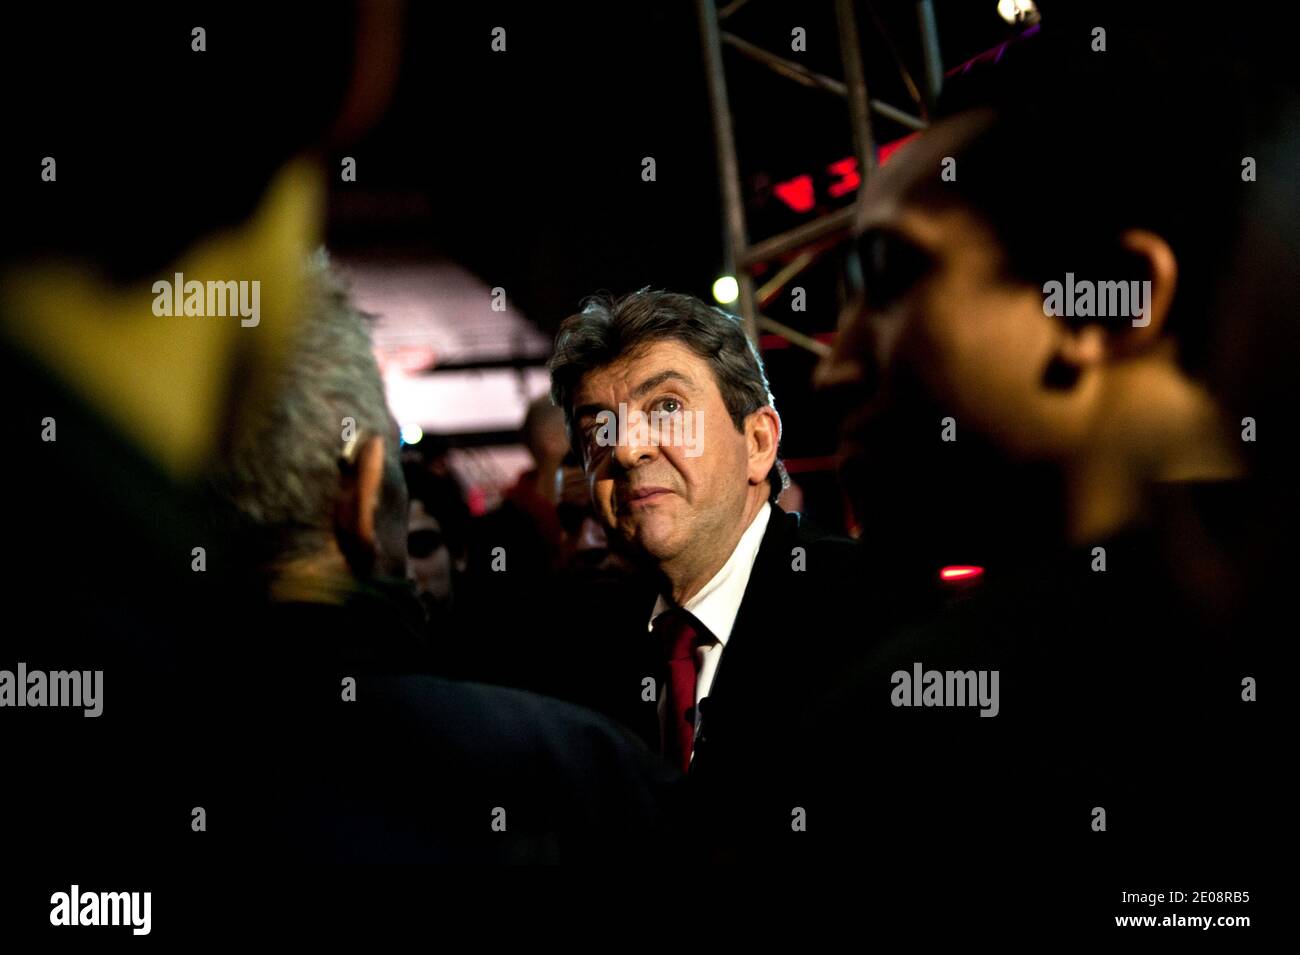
column 1089, row 466
column 603, row 587
column 585, row 556
column 437, row 551
column 430, row 559
column 532, row 498
column 1256, row 353
column 128, row 408
column 553, row 631
column 512, row 562
column 525, row 522
column 435, row 542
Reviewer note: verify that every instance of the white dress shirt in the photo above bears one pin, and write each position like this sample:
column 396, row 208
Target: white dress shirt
column 716, row 606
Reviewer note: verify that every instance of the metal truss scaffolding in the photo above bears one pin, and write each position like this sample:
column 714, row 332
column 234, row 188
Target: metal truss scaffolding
column 802, row 244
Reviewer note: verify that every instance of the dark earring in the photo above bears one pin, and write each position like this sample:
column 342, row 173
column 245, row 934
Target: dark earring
column 1060, row 375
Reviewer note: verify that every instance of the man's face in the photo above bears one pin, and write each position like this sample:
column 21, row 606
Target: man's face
column 654, row 496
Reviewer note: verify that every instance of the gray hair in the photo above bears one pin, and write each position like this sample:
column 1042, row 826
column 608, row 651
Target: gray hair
column 608, row 329
column 282, row 473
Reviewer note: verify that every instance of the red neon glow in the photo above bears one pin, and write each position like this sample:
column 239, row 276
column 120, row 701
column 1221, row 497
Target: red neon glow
column 960, row 572
column 797, row 193
column 476, row 499
column 800, row 194
column 777, row 342
column 847, row 170
column 888, row 149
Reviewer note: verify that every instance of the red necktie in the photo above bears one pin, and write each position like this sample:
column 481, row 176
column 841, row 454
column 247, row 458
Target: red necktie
column 680, row 634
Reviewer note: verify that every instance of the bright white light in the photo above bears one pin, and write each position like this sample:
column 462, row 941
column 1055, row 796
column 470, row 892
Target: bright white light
column 1017, row 11
column 412, row 433
column 726, row 289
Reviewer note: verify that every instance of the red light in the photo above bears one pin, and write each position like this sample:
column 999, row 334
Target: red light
column 800, row 195
column 888, row 149
column 960, row 572
column 847, row 170
column 797, row 193
column 476, row 499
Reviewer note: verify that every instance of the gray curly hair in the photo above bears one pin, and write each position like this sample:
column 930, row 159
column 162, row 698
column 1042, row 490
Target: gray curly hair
column 282, row 472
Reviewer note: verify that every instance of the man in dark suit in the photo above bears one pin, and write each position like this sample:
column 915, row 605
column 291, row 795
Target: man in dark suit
column 669, row 408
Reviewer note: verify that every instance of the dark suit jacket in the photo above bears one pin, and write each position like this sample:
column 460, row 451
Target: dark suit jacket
column 802, row 618
column 415, row 768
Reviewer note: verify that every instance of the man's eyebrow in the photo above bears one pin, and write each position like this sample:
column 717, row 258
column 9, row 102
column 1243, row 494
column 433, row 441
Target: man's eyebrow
column 654, row 381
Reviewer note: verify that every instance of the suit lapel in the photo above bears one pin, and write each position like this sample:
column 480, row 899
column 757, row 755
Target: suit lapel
column 750, row 655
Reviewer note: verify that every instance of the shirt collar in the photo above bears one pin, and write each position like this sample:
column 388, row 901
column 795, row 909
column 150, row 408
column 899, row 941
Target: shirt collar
column 718, row 602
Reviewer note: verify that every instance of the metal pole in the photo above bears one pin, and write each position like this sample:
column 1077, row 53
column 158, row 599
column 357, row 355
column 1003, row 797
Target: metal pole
column 864, row 145
column 787, row 68
column 801, row 74
column 841, row 220
column 733, row 206
column 731, row 8
column 855, row 81
column 930, row 47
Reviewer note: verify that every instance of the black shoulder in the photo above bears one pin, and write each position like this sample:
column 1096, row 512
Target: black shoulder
column 833, row 550
column 422, row 765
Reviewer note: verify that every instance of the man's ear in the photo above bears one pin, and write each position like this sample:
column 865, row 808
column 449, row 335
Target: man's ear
column 360, row 486
column 762, row 437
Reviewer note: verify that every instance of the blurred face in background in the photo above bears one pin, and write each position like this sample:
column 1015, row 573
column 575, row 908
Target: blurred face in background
column 943, row 323
column 585, row 555
column 1061, row 425
column 429, row 559
column 944, row 332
